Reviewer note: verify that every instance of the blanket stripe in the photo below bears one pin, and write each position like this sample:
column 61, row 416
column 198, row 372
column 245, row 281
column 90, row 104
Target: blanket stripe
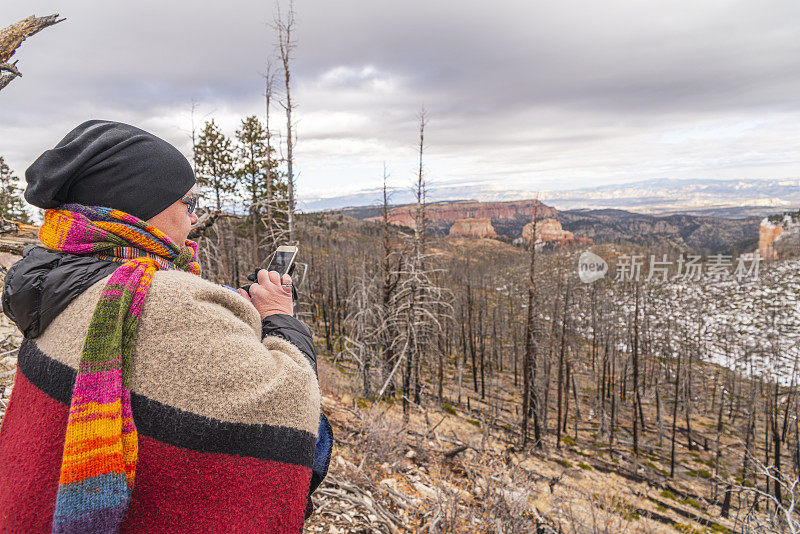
column 179, row 428
column 183, row 485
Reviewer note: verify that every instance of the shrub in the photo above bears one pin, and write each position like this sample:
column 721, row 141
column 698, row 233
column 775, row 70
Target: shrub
column 704, row 474
column 618, row 505
column 689, row 529
column 691, row 502
column 625, row 509
column 449, row 409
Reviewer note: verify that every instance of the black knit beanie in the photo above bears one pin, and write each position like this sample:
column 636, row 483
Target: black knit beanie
column 110, row 164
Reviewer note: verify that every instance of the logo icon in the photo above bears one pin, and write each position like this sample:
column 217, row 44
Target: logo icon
column 591, row 267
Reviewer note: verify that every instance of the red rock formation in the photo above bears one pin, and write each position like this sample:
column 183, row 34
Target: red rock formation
column 443, row 215
column 779, row 235
column 549, row 231
column 472, row 227
column 450, row 212
column 767, row 234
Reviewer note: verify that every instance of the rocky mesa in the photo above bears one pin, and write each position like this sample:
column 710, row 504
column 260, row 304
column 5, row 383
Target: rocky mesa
column 778, row 234
column 472, row 227
column 550, row 231
column 470, row 218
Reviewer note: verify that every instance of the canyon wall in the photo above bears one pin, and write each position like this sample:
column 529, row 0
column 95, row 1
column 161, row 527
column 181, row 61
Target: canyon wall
column 447, row 213
column 777, row 235
column 768, row 232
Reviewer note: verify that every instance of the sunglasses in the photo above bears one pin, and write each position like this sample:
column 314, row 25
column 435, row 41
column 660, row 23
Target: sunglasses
column 191, row 203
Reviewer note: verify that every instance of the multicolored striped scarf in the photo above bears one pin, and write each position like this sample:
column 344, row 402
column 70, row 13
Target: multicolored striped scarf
column 99, row 462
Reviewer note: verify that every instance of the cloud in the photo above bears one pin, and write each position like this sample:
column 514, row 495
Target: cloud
column 524, row 93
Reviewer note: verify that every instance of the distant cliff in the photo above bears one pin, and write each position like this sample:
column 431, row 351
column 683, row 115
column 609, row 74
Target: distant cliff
column 546, row 230
column 704, row 235
column 472, row 227
column 701, row 234
column 550, row 231
column 778, row 235
column 441, row 215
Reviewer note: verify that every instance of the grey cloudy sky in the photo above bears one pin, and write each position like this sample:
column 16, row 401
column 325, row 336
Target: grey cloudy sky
column 532, row 94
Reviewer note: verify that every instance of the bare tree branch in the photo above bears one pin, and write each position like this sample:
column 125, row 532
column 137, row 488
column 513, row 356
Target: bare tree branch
column 12, row 37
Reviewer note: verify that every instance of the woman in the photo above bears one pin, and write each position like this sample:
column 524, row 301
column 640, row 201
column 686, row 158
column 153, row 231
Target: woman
column 146, row 398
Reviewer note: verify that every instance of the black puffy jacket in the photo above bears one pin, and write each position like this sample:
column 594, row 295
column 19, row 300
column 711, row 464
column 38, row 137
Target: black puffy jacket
column 39, row 286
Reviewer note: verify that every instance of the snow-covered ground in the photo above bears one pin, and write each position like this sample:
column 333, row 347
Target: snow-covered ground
column 752, row 326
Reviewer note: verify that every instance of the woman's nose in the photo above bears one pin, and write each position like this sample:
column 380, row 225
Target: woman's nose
column 193, row 218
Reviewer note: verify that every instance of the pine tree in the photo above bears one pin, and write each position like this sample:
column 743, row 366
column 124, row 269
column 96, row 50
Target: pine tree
column 11, row 204
column 215, row 167
column 257, row 172
column 251, row 151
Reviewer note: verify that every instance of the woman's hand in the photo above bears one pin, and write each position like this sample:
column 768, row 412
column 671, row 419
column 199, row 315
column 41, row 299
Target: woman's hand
column 268, row 296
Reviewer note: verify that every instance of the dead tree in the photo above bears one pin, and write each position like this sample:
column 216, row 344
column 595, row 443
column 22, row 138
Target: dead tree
column 782, row 515
column 471, row 337
column 562, row 392
column 390, row 279
column 286, row 46
column 529, row 400
column 364, row 325
column 420, row 299
column 636, row 398
column 11, row 38
column 675, row 416
column 273, row 207
column 415, row 268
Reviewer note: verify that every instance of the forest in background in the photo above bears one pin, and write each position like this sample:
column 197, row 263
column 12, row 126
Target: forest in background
column 688, row 388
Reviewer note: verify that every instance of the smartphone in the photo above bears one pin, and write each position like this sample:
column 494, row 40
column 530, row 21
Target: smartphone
column 283, row 259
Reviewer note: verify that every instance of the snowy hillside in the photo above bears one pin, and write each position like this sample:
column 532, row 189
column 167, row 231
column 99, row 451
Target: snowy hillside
column 751, row 325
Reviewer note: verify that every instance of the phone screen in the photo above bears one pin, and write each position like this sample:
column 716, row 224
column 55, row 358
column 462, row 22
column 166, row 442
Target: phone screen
column 281, row 262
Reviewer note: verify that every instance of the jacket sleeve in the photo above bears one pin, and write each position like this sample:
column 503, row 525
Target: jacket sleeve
column 293, row 331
